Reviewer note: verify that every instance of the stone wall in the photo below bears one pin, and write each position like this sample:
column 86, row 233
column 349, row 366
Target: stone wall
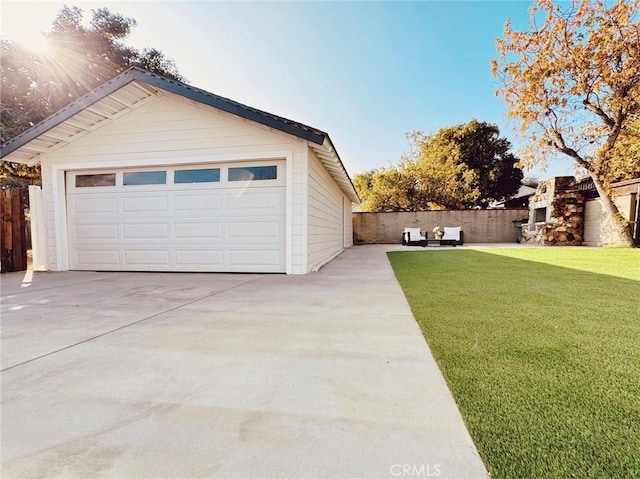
column 479, row 226
column 563, row 207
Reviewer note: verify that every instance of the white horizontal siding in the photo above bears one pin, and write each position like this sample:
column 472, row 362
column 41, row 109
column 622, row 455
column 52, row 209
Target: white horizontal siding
column 173, row 126
column 325, row 215
column 51, row 258
column 297, row 199
column 348, row 223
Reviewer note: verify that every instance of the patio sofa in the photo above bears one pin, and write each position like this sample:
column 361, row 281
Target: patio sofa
column 413, row 237
column 452, row 236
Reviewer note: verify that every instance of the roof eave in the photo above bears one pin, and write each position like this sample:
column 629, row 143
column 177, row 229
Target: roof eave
column 328, row 154
column 65, row 113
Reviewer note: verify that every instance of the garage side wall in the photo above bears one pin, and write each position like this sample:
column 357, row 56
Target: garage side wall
column 326, row 215
column 348, row 223
column 167, row 130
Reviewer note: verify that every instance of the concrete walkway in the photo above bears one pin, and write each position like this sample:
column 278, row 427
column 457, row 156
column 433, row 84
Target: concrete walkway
column 134, row 375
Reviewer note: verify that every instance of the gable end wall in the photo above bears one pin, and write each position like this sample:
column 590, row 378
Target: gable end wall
column 176, row 130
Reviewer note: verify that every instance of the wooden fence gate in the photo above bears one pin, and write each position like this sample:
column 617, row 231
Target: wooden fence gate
column 13, row 233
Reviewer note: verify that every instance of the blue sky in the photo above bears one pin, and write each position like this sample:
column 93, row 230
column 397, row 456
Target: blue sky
column 364, row 72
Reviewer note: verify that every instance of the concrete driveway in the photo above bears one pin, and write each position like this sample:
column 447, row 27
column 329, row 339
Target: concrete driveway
column 134, row 375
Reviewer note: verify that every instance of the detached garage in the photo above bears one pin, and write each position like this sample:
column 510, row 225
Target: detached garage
column 146, row 173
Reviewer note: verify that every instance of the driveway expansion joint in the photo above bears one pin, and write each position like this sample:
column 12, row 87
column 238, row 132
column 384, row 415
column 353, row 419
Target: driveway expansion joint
column 27, row 290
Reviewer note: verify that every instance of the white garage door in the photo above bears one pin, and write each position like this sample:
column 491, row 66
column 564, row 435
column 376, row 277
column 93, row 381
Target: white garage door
column 220, row 218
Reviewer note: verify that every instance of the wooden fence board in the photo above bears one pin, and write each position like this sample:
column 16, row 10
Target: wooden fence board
column 13, row 241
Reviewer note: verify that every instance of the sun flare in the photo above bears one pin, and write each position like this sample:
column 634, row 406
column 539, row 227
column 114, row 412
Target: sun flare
column 37, row 43
column 24, row 22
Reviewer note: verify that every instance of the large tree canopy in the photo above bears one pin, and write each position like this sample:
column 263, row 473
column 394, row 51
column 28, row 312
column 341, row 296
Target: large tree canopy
column 391, row 189
column 625, row 158
column 79, row 59
column 463, row 166
column 572, row 82
column 477, row 162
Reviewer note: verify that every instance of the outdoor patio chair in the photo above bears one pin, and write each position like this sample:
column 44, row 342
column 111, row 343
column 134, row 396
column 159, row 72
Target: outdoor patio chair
column 413, row 237
column 452, row 235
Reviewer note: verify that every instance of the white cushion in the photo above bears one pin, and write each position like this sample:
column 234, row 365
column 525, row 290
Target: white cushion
column 414, row 234
column 452, row 233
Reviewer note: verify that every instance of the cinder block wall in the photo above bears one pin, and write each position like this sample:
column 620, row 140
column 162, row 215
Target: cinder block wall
column 479, row 226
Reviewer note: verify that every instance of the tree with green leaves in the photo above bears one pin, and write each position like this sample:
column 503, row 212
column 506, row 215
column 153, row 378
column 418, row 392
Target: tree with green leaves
column 463, row 166
column 572, row 82
column 80, row 58
column 470, row 163
column 391, row 189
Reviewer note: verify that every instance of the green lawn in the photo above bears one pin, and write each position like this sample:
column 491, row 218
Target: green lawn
column 541, row 350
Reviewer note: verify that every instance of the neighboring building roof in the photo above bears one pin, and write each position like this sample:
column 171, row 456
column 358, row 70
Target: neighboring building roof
column 126, row 91
column 587, row 188
column 516, row 200
column 585, row 184
column 524, row 191
column 626, row 187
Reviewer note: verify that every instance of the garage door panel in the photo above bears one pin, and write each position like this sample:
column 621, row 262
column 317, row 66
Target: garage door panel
column 251, row 199
column 217, row 226
column 100, row 257
column 158, row 257
column 145, row 231
column 145, row 204
column 199, row 258
column 197, row 230
column 211, row 201
column 254, row 229
column 89, row 205
column 94, row 232
column 263, row 257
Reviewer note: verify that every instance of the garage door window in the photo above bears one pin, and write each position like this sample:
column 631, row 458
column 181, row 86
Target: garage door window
column 208, row 175
column 253, row 173
column 144, row 178
column 88, row 181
